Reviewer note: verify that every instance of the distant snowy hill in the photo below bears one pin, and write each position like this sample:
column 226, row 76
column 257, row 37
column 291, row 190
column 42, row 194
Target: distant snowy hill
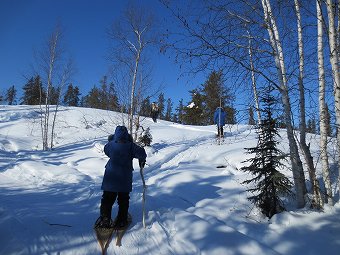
column 195, row 201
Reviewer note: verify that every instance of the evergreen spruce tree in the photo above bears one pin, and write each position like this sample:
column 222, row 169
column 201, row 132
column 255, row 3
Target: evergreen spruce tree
column 92, row 99
column 193, row 113
column 251, row 120
column 11, row 95
column 145, row 109
column 216, row 94
column 281, row 122
column 270, row 183
column 83, row 101
column 108, row 99
column 113, row 104
column 54, row 96
column 168, row 112
column 311, row 126
column 71, row 97
column 33, row 92
column 230, row 115
column 161, row 105
column 180, row 111
column 104, row 97
column 75, row 96
column 145, row 138
column 68, row 95
column 174, row 118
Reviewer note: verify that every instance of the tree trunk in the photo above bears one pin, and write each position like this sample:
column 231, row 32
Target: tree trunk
column 323, row 109
column 133, row 88
column 52, row 58
column 335, row 71
column 254, row 82
column 297, row 169
column 317, row 200
column 66, row 75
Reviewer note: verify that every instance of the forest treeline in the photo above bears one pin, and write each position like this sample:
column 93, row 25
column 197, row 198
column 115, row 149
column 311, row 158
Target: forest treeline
column 198, row 111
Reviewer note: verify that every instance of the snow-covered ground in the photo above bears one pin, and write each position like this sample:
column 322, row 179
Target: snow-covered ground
column 195, row 201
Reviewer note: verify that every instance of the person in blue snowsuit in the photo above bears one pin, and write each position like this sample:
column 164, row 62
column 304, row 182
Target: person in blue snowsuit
column 117, row 181
column 219, row 120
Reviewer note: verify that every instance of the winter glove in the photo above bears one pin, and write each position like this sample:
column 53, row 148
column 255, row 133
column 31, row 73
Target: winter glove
column 141, row 163
column 110, row 138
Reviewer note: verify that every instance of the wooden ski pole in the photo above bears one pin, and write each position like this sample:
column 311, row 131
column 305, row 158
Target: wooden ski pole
column 143, row 202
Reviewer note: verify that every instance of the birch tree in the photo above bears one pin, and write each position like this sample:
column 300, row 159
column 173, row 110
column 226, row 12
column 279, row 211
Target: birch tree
column 317, row 200
column 132, row 37
column 253, row 82
column 49, row 59
column 323, row 107
column 334, row 59
column 297, row 169
column 50, row 63
column 218, row 36
column 67, row 71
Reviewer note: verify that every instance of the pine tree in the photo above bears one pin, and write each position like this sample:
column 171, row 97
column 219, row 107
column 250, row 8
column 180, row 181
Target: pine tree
column 145, row 109
column 180, row 111
column 104, row 97
column 54, row 96
column 10, row 95
column 161, row 105
column 230, row 115
column 145, row 138
column 92, row 99
column 75, row 96
column 251, row 120
column 71, row 97
column 270, row 184
column 103, row 94
column 33, row 92
column 113, row 104
column 216, row 94
column 193, row 112
column 168, row 112
column 311, row 126
column 281, row 123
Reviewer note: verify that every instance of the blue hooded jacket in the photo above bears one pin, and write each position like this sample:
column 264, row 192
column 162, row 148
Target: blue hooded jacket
column 219, row 117
column 118, row 171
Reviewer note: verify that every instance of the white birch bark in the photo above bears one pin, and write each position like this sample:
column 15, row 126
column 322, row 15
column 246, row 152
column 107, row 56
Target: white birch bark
column 317, row 200
column 297, row 169
column 138, row 50
column 322, row 108
column 132, row 35
column 335, row 71
column 253, row 81
column 65, row 77
column 52, row 58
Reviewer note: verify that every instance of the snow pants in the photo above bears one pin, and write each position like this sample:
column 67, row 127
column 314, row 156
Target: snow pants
column 220, row 131
column 154, row 116
column 109, row 198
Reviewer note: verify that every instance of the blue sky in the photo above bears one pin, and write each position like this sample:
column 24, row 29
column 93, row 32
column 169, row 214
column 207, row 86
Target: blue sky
column 26, row 24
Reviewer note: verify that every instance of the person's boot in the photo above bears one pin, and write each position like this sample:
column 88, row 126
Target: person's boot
column 104, row 222
column 123, row 202
column 106, row 209
column 120, row 225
